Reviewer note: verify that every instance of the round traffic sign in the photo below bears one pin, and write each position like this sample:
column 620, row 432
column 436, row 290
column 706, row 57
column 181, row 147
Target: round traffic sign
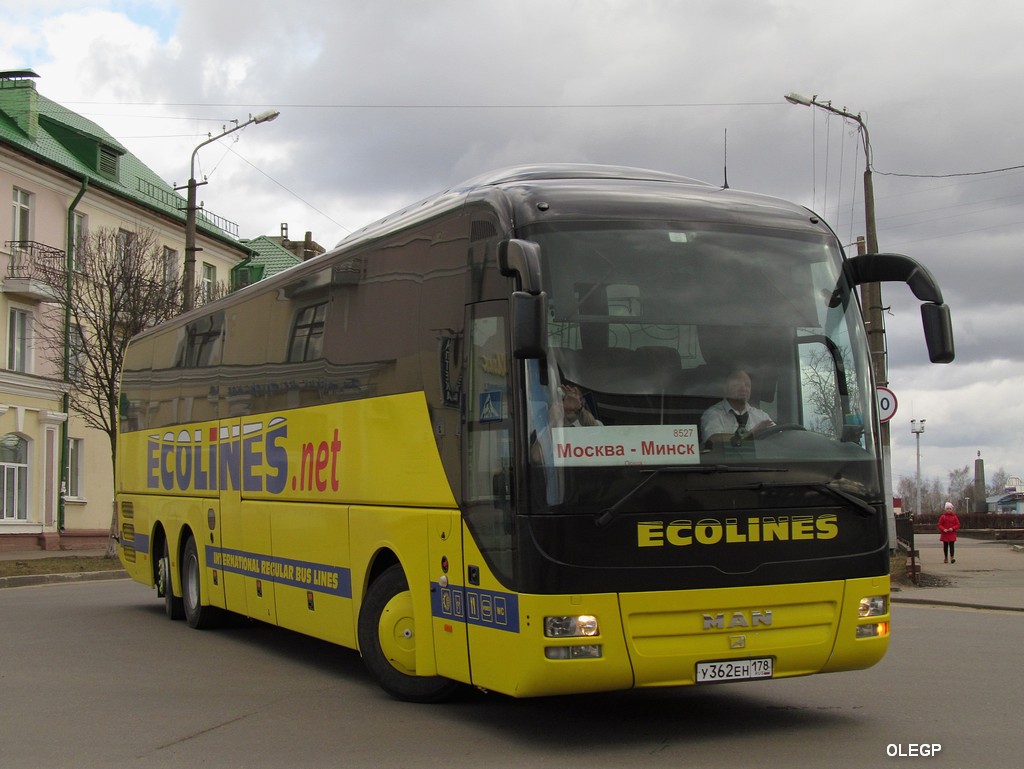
column 886, row 403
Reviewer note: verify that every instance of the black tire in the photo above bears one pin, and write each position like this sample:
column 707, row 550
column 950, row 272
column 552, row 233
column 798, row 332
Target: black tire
column 387, row 641
column 196, row 615
column 174, row 607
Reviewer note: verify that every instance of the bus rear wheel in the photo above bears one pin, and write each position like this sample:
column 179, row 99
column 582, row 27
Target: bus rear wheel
column 174, row 607
column 387, row 641
column 196, row 615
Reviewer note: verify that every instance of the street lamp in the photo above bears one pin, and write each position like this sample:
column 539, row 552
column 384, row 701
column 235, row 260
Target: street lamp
column 870, row 293
column 190, row 211
column 917, row 427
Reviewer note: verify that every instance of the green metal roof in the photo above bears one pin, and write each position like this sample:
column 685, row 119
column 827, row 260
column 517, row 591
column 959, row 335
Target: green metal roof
column 270, row 255
column 79, row 147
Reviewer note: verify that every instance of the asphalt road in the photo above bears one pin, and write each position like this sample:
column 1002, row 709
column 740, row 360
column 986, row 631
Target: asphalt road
column 93, row 675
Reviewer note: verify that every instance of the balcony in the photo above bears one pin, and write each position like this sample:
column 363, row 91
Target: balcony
column 32, row 269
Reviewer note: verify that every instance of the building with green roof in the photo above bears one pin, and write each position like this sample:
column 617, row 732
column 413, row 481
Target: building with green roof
column 67, row 177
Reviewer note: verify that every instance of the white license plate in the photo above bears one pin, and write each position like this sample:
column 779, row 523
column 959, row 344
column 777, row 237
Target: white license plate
column 734, row 670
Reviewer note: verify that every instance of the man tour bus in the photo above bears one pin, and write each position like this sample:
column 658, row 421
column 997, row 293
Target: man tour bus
column 468, row 442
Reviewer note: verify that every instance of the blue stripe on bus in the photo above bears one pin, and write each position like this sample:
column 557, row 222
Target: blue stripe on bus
column 486, row 608
column 309, row 575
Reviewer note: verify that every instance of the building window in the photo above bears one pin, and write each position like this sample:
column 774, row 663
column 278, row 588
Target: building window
column 19, row 340
column 78, row 359
column 21, row 218
column 208, row 282
column 75, row 454
column 125, row 241
column 109, row 162
column 170, row 266
column 79, row 232
column 14, row 477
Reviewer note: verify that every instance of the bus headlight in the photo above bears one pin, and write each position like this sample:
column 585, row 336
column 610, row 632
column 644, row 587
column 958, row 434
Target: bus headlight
column 582, row 652
column 873, row 606
column 584, row 625
column 874, row 630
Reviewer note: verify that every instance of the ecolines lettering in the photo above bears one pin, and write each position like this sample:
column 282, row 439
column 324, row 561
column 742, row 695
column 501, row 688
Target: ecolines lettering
column 250, row 459
column 710, row 531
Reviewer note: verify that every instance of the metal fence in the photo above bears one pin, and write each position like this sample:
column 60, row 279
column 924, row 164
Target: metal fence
column 905, row 533
column 928, row 522
column 905, row 544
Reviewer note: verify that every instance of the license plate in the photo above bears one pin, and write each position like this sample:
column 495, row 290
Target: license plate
column 734, row 670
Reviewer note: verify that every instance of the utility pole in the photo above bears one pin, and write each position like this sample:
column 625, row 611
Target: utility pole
column 870, row 293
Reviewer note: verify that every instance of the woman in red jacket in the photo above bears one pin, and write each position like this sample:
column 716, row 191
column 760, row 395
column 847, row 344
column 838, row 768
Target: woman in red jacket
column 948, row 525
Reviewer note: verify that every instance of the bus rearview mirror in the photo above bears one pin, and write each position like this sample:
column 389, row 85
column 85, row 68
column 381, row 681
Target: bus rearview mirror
column 529, row 325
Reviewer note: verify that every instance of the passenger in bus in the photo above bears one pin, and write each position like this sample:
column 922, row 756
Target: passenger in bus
column 574, row 408
column 569, row 411
column 733, row 419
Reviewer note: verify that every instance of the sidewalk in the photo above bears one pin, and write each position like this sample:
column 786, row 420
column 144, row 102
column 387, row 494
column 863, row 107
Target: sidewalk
column 987, row 575
column 25, row 580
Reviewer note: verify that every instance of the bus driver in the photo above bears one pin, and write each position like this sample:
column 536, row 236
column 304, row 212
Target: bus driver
column 733, row 418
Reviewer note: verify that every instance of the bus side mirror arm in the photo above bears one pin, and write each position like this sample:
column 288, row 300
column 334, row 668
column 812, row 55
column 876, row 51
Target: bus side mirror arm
column 521, row 259
column 935, row 317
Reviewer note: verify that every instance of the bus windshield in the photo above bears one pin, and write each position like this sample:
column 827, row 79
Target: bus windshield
column 702, row 346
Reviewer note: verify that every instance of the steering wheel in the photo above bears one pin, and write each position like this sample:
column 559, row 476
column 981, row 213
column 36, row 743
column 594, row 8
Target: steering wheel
column 776, row 429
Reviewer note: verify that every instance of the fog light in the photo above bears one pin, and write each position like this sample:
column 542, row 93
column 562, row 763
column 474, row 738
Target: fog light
column 875, row 630
column 571, row 627
column 588, row 651
column 873, row 606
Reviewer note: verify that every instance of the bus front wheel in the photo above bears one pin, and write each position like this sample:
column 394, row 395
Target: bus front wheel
column 387, row 641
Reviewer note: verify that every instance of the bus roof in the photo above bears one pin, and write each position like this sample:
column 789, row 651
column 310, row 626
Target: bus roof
column 620, row 190
column 583, row 182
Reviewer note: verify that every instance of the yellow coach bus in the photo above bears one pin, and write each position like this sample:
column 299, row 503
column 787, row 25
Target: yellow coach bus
column 477, row 441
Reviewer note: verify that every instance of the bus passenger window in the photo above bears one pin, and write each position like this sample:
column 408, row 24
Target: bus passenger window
column 307, row 338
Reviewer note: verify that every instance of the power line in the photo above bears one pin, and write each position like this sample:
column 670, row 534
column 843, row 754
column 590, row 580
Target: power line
column 950, row 176
column 655, row 105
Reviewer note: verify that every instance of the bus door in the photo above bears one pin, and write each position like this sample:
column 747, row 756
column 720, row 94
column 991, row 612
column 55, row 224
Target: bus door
column 490, row 609
column 245, row 526
column 447, row 586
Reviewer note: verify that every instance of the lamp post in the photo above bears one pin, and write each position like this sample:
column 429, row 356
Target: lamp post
column 917, row 427
column 870, row 293
column 189, row 277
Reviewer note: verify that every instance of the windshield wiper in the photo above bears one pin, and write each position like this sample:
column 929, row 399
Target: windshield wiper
column 859, row 506
column 607, row 515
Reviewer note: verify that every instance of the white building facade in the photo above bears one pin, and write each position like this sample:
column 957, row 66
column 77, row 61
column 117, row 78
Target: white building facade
column 65, row 177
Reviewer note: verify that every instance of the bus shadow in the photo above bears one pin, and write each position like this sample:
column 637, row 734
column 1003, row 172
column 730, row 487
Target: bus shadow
column 689, row 715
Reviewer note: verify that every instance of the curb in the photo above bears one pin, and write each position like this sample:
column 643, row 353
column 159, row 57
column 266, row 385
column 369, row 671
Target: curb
column 957, row 604
column 28, row 580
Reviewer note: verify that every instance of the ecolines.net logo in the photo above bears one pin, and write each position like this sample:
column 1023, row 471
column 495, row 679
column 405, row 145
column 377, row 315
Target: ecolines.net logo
column 251, row 457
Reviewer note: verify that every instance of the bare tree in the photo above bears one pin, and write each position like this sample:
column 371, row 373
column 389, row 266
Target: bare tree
column 997, row 482
column 961, row 486
column 932, row 495
column 120, row 286
column 824, row 382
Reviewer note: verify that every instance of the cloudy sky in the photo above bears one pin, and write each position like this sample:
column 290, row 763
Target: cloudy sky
column 385, row 102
